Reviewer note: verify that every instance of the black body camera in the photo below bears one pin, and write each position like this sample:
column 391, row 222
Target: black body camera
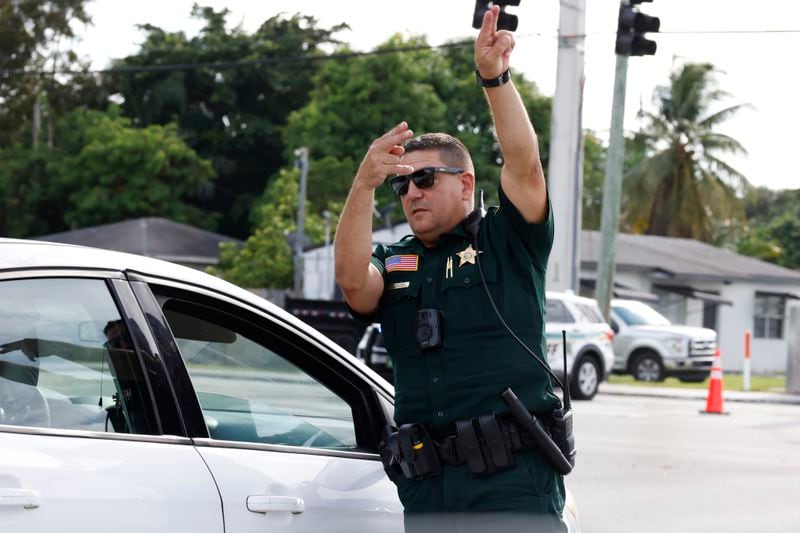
column 428, row 329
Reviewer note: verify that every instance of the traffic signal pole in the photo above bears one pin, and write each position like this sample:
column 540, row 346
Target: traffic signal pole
column 631, row 40
column 612, row 191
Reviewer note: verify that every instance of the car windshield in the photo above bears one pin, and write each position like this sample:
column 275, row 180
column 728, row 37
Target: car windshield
column 639, row 314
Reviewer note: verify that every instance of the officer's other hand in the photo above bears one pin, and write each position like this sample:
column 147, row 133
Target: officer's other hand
column 383, row 157
column 30, row 347
column 492, row 48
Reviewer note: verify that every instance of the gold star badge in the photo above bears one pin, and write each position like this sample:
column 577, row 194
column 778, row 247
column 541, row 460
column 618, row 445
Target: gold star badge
column 468, row 255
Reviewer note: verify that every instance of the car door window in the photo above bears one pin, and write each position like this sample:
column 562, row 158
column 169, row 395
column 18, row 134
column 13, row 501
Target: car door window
column 590, row 314
column 67, row 360
column 556, row 312
column 248, row 388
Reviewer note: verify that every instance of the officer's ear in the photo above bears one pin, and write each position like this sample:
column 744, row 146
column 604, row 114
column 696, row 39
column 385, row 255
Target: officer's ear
column 467, row 185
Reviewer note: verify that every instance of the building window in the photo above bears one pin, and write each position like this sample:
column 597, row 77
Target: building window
column 769, row 315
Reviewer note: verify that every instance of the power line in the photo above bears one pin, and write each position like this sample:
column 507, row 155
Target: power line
column 224, row 65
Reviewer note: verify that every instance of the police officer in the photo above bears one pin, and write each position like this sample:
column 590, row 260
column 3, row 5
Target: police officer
column 458, row 375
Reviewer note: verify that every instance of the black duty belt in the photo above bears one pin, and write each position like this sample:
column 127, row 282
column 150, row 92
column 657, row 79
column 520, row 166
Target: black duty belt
column 484, row 444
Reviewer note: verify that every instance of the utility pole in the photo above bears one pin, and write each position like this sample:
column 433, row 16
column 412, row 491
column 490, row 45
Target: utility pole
column 631, row 28
column 302, row 164
column 37, row 120
column 327, row 278
column 565, row 170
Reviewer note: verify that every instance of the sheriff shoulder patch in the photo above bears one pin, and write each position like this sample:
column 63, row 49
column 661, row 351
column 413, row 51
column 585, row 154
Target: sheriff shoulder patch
column 402, row 263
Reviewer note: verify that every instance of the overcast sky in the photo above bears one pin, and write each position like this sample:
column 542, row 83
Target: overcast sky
column 758, row 68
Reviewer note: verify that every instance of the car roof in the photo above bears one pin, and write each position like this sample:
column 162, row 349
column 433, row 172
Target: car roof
column 621, row 302
column 19, row 254
column 556, row 295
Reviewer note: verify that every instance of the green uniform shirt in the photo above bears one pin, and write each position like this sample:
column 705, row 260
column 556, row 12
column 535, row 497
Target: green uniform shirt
column 479, row 359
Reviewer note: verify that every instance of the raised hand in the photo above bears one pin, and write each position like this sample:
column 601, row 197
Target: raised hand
column 383, row 157
column 492, row 47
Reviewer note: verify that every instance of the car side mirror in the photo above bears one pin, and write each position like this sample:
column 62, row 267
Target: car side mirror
column 614, row 327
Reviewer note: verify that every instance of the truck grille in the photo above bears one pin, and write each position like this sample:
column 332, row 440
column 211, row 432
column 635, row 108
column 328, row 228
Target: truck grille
column 700, row 348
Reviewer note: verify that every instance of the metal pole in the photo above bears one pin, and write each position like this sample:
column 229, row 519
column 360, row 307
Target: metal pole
column 612, row 190
column 793, row 359
column 302, row 162
column 327, row 282
column 565, row 170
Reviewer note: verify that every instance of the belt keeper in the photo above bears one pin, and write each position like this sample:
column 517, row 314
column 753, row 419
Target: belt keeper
column 448, row 451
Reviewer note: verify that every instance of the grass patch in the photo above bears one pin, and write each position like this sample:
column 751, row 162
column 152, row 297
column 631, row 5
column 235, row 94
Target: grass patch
column 730, row 381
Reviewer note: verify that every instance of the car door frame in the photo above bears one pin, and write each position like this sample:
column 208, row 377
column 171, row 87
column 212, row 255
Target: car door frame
column 346, row 376
column 368, row 396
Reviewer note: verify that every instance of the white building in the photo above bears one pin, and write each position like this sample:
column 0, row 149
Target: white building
column 688, row 281
column 702, row 285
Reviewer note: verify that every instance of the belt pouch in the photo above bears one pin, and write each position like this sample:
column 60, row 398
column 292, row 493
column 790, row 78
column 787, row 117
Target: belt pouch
column 470, row 448
column 499, row 454
column 418, row 454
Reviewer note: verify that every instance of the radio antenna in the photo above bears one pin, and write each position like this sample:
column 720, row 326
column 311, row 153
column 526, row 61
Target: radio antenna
column 567, row 400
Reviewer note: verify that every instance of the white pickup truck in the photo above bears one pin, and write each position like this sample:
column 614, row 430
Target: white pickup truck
column 651, row 348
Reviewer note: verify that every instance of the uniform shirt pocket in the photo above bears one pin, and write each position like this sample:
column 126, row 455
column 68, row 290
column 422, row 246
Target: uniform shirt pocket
column 398, row 307
column 464, row 301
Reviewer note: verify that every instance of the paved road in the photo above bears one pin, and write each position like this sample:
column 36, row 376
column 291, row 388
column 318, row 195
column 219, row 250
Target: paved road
column 656, row 464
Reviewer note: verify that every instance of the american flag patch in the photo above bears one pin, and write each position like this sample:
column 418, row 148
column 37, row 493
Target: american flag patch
column 402, row 263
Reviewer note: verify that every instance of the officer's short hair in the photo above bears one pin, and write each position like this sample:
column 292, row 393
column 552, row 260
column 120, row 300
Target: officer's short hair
column 453, row 151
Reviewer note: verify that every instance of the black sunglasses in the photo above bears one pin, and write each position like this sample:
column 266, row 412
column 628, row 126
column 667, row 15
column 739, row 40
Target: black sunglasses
column 423, row 178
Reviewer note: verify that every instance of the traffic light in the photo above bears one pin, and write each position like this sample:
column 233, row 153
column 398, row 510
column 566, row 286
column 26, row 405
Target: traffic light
column 631, row 31
column 505, row 22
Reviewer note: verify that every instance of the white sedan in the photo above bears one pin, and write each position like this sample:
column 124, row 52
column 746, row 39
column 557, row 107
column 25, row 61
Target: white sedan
column 138, row 395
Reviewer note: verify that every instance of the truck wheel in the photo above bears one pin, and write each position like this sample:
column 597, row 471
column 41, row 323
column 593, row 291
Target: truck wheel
column 648, row 367
column 584, row 379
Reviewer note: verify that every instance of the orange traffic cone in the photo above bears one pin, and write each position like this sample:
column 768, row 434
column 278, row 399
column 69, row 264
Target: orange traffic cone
column 714, row 400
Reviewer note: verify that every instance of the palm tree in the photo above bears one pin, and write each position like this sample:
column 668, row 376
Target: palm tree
column 680, row 187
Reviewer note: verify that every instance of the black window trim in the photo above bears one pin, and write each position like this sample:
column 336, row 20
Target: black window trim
column 180, row 388
column 784, row 297
column 162, row 400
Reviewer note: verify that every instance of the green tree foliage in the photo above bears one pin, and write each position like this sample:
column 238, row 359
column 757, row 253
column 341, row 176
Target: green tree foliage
column 30, row 202
column 773, row 229
column 355, row 100
column 122, row 172
column 231, row 115
column 594, row 161
column 102, row 170
column 37, row 36
column 265, row 260
column 683, row 187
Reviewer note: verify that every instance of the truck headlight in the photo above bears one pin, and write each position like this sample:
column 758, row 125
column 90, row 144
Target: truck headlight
column 677, row 345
